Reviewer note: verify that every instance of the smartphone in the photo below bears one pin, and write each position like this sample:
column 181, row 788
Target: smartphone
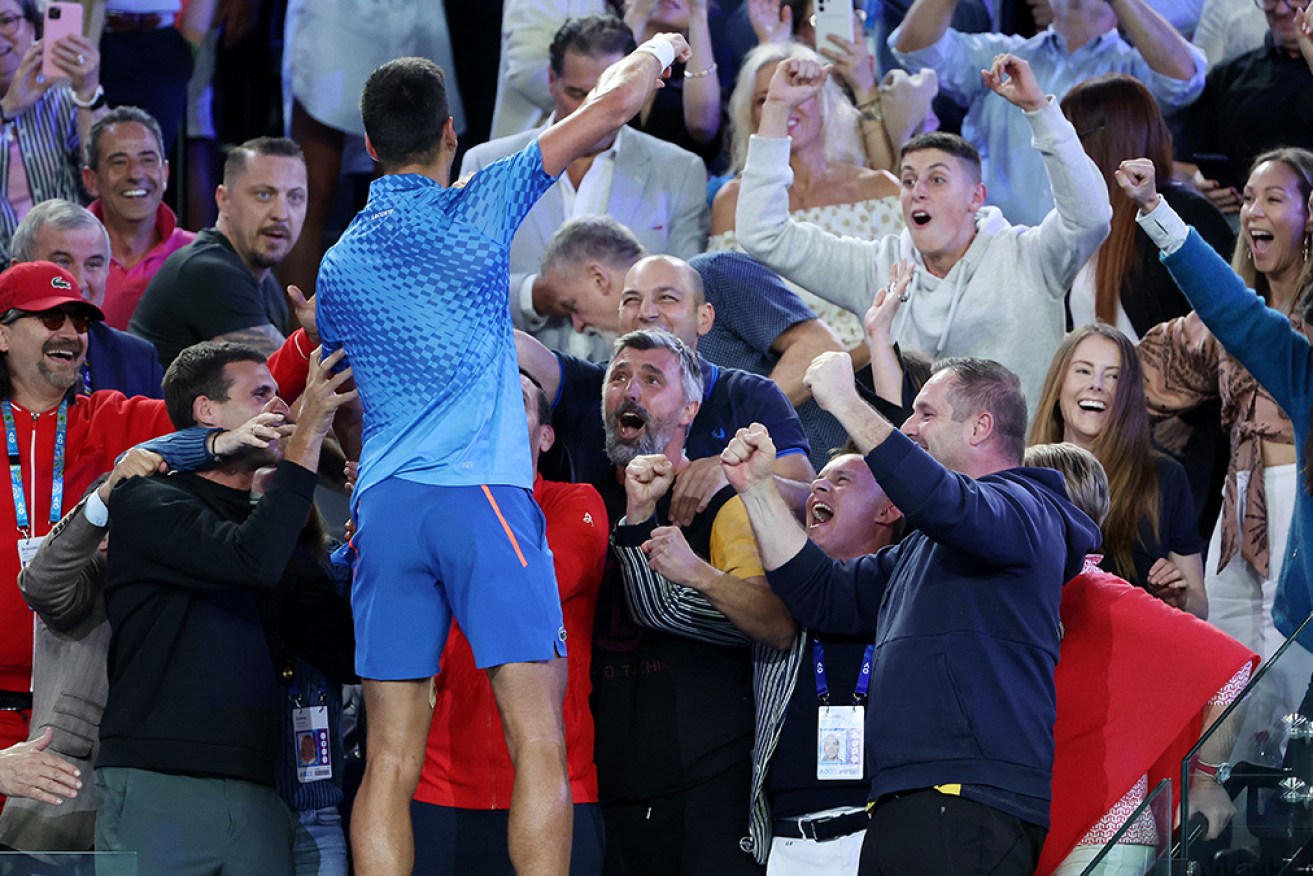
column 62, row 19
column 1214, row 166
column 832, row 17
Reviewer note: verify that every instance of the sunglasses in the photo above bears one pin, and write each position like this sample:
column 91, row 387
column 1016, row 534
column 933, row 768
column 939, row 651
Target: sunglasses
column 54, row 320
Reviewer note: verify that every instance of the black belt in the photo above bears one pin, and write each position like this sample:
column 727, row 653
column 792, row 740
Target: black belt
column 827, row 827
column 136, row 22
column 14, row 701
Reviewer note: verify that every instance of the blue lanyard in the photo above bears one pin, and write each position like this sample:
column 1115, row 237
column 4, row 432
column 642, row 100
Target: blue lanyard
column 16, row 468
column 863, row 677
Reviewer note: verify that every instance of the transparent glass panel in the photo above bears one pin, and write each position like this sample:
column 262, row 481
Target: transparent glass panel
column 1264, row 743
column 68, row 864
column 1126, row 859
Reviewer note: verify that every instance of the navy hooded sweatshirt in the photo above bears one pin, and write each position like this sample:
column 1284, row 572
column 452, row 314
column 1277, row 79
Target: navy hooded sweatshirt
column 965, row 617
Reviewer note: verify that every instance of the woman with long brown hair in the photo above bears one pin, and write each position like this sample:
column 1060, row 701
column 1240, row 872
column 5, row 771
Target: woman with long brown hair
column 1123, row 284
column 1093, row 397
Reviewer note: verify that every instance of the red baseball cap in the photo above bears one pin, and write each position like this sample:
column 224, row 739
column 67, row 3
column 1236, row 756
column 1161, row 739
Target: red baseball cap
column 38, row 286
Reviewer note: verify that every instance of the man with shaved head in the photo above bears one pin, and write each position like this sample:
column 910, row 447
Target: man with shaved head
column 665, row 292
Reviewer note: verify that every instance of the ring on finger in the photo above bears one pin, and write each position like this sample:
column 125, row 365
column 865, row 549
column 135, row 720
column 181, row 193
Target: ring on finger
column 82, row 59
column 903, row 297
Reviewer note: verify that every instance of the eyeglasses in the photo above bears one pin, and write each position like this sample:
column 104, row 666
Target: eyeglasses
column 54, row 320
column 1271, row 5
column 9, row 24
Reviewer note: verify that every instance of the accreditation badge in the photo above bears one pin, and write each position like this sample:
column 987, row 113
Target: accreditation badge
column 314, row 758
column 27, row 548
column 840, row 742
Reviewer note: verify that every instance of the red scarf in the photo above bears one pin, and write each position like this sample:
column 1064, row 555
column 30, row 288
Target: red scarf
column 1134, row 677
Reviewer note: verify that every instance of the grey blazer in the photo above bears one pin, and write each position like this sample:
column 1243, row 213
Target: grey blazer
column 658, row 191
column 63, row 585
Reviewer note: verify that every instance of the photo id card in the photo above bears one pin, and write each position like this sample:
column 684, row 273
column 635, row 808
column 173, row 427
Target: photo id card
column 27, row 548
column 314, row 759
column 840, row 742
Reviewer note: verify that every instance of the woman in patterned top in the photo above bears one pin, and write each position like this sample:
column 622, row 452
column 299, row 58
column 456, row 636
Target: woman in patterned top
column 1185, row 365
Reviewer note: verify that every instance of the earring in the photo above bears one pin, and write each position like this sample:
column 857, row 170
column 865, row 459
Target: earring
column 1249, row 254
column 1307, row 240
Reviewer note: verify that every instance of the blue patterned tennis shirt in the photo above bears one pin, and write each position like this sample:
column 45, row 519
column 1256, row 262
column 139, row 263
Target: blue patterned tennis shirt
column 415, row 291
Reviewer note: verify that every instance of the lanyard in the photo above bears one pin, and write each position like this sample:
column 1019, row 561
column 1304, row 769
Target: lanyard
column 16, row 469
column 863, row 677
column 299, row 701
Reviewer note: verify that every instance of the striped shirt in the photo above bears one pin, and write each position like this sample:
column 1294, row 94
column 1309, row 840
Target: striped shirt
column 659, row 603
column 48, row 140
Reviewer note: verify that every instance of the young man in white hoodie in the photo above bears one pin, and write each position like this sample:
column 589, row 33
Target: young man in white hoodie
column 988, row 289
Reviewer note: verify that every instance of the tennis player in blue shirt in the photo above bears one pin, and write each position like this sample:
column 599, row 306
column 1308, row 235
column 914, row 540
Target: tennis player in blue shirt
column 446, row 526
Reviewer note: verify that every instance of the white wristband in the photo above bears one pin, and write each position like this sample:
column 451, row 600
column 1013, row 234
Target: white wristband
column 1164, row 226
column 662, row 50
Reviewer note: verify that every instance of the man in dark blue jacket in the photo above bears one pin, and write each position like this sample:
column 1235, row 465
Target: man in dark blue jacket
column 964, row 612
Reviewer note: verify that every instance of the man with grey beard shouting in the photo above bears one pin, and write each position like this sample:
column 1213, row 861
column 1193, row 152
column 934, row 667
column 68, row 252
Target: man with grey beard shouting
column 674, row 716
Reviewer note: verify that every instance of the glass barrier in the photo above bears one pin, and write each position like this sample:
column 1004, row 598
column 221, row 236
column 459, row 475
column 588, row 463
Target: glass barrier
column 1153, row 817
column 68, row 864
column 1264, row 744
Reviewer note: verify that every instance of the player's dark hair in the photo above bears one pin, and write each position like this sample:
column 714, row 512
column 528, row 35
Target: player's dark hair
column 540, row 399
column 404, row 107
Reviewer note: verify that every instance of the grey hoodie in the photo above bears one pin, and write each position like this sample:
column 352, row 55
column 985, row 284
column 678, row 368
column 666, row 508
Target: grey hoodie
column 1003, row 298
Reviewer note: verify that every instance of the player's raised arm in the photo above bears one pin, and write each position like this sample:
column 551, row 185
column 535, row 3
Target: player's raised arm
column 619, row 95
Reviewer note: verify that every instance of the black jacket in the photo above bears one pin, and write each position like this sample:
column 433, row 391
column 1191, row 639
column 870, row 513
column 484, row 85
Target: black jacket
column 198, row 580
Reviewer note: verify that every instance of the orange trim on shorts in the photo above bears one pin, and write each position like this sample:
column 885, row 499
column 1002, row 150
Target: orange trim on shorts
column 504, row 525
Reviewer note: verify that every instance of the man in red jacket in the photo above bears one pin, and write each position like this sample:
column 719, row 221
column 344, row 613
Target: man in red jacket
column 59, row 441
column 463, row 800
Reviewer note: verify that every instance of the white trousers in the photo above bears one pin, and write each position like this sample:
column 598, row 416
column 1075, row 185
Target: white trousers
column 804, row 857
column 1239, row 599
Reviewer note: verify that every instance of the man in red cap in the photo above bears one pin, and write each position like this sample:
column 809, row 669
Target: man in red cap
column 58, row 441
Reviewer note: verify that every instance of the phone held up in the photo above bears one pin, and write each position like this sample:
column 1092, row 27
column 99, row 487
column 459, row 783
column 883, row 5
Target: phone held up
column 62, row 19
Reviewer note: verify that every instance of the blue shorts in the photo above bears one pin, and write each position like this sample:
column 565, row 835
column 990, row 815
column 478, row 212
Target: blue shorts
column 425, row 554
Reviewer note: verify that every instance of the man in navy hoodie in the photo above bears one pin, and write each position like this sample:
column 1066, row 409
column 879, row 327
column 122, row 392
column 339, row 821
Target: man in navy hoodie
column 964, row 612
